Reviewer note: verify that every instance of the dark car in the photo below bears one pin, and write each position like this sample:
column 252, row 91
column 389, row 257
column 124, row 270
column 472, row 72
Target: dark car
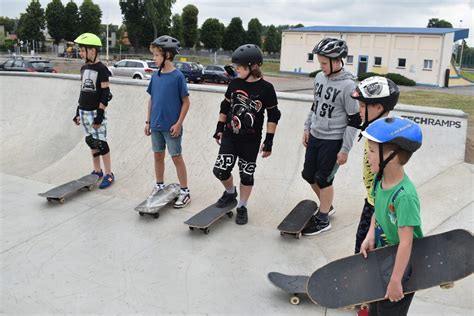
column 28, row 65
column 216, row 73
column 191, row 71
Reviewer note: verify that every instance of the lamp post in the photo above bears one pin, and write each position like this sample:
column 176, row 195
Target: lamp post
column 462, row 48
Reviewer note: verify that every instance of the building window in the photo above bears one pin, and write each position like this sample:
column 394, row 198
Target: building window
column 350, row 59
column 402, row 62
column 428, row 64
column 310, row 56
column 378, row 61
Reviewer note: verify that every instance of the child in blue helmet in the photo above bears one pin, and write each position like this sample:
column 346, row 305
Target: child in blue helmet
column 397, row 218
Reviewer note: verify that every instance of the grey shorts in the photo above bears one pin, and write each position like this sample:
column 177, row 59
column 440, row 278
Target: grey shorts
column 87, row 119
column 160, row 140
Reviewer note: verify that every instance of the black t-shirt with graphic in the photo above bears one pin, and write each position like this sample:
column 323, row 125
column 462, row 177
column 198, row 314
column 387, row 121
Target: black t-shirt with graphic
column 248, row 102
column 91, row 77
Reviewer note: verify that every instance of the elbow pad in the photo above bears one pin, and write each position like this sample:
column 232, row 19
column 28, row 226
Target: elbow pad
column 225, row 107
column 354, row 120
column 106, row 96
column 274, row 115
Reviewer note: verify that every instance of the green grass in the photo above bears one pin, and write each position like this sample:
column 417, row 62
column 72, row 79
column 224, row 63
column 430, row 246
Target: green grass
column 439, row 100
column 468, row 74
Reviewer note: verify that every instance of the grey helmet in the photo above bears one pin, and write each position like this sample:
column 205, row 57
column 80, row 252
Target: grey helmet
column 168, row 43
column 331, row 47
column 248, row 54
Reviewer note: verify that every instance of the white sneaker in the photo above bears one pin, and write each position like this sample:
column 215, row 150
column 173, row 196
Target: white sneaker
column 156, row 188
column 184, row 198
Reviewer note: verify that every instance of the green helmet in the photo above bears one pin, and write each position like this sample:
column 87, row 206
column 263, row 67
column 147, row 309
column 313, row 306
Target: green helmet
column 88, row 39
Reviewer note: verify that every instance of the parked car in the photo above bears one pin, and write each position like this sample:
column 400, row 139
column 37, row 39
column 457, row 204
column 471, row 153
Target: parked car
column 28, row 65
column 191, row 71
column 134, row 68
column 216, row 73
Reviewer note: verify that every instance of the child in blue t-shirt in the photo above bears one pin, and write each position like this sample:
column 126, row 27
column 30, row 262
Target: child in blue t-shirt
column 167, row 108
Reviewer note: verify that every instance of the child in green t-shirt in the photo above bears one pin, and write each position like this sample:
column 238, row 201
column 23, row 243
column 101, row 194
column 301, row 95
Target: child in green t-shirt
column 397, row 219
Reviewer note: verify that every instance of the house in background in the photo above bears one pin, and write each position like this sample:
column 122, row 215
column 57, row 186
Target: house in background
column 420, row 54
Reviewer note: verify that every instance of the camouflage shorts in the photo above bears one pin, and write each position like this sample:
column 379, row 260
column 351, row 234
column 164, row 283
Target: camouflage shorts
column 87, row 119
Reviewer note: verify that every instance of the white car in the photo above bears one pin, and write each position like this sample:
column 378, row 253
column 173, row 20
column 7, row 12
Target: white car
column 133, row 68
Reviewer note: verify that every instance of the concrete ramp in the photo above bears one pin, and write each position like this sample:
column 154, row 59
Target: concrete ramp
column 94, row 254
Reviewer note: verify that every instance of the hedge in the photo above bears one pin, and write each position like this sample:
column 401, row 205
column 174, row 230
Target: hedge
column 397, row 78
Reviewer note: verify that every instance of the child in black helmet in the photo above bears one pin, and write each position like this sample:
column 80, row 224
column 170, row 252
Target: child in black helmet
column 329, row 129
column 93, row 100
column 377, row 96
column 167, row 109
column 239, row 129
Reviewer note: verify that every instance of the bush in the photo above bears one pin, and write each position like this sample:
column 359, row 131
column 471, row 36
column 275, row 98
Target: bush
column 314, row 73
column 368, row 75
column 400, row 80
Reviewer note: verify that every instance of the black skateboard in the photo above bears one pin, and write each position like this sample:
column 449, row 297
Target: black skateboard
column 154, row 203
column 59, row 193
column 297, row 219
column 437, row 260
column 293, row 284
column 209, row 215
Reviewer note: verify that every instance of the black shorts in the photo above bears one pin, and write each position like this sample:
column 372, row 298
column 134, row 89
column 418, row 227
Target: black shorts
column 320, row 161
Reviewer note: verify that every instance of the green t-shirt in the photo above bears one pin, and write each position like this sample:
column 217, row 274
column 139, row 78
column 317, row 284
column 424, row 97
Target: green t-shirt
column 396, row 207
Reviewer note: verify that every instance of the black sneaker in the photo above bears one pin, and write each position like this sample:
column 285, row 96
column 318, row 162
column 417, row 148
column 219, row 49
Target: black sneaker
column 226, row 198
column 241, row 218
column 316, row 226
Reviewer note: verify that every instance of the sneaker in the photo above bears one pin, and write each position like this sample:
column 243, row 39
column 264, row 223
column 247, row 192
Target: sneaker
column 316, row 226
column 107, row 181
column 184, row 198
column 156, row 188
column 226, row 198
column 241, row 218
column 100, row 174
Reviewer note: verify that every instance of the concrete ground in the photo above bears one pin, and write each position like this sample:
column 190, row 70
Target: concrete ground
column 96, row 255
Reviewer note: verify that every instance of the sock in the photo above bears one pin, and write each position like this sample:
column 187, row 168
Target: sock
column 185, row 190
column 230, row 191
column 323, row 216
column 242, row 203
column 161, row 185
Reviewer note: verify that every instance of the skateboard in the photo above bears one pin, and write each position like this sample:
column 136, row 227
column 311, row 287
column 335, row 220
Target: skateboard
column 293, row 284
column 59, row 193
column 437, row 260
column 297, row 219
column 209, row 215
column 154, row 203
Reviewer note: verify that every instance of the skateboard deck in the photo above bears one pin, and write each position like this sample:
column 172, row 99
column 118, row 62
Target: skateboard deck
column 436, row 260
column 297, row 219
column 293, row 284
column 209, row 215
column 59, row 193
column 153, row 204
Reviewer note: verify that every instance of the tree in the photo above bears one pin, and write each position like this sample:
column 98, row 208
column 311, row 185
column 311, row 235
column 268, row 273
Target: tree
column 212, row 34
column 55, row 20
column 190, row 22
column 159, row 13
column 435, row 22
column 234, row 34
column 137, row 23
column 177, row 27
column 89, row 17
column 254, row 32
column 32, row 22
column 8, row 23
column 272, row 42
column 71, row 22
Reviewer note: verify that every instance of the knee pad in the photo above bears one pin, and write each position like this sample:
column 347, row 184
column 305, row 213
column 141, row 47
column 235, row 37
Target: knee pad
column 246, row 179
column 322, row 182
column 308, row 177
column 246, row 171
column 221, row 174
column 91, row 142
column 103, row 147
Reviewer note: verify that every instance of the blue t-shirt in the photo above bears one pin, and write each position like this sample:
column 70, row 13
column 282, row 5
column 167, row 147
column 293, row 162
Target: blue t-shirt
column 166, row 91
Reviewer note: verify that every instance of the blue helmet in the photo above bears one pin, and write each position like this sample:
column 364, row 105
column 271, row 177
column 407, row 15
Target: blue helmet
column 395, row 130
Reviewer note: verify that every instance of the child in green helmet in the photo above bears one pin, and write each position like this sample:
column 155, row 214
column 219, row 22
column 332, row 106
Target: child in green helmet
column 93, row 100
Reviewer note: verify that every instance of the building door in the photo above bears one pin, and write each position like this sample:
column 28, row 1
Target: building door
column 362, row 69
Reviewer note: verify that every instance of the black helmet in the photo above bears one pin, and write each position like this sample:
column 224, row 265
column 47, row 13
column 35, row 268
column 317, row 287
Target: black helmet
column 248, row 54
column 168, row 43
column 377, row 89
column 331, row 48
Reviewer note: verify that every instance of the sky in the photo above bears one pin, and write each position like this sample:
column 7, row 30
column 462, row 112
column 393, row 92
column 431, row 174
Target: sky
column 399, row 13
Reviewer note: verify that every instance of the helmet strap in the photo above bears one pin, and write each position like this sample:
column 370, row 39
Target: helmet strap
column 331, row 69
column 382, row 162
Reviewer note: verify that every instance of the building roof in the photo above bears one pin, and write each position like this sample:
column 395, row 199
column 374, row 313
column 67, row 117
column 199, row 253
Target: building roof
column 458, row 33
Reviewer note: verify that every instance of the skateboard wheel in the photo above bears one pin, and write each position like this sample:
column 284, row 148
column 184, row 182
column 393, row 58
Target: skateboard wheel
column 62, row 200
column 141, row 213
column 191, row 228
column 49, row 199
column 230, row 214
column 447, row 286
column 90, row 188
column 282, row 234
column 298, row 235
column 156, row 215
column 206, row 230
column 295, row 300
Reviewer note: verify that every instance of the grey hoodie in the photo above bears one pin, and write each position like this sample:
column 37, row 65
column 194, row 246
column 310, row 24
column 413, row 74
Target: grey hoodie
column 332, row 105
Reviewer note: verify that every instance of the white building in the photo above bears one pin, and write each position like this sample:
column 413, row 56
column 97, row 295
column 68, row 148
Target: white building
column 421, row 54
